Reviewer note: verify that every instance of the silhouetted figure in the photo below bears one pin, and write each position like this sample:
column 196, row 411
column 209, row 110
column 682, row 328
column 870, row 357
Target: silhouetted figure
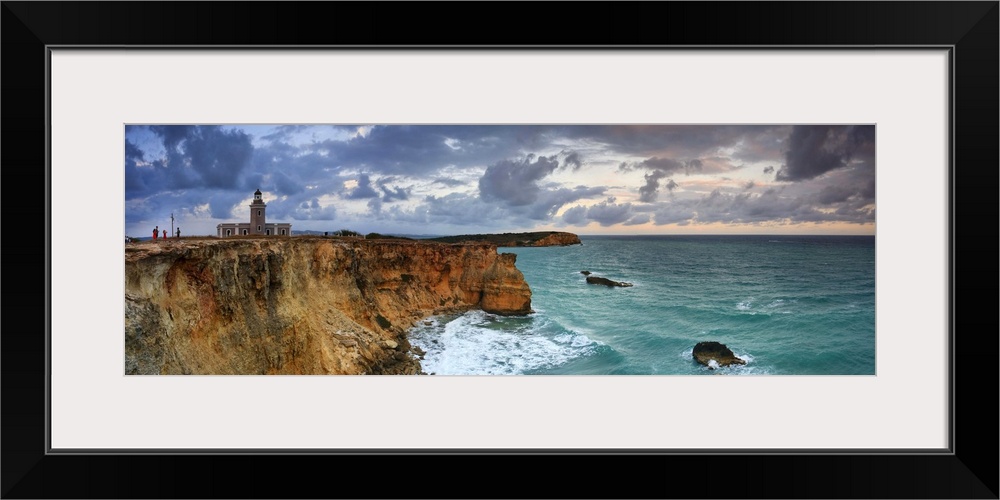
column 156, row 231
column 178, row 232
column 164, row 234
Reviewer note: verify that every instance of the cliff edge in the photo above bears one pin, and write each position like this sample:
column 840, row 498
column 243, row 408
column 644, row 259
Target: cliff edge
column 301, row 305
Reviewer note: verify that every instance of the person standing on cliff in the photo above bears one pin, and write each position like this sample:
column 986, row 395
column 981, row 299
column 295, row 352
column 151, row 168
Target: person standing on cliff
column 164, row 234
column 156, row 231
column 178, row 233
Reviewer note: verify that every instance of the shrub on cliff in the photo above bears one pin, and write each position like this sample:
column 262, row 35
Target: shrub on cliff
column 346, row 232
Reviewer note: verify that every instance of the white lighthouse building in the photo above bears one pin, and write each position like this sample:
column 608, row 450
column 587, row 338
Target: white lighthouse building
column 258, row 224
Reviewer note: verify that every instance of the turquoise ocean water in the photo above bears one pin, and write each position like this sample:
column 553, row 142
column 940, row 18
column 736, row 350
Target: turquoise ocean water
column 789, row 305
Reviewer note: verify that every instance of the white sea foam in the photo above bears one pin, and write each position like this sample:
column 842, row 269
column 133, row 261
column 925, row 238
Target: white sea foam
column 776, row 306
column 480, row 344
column 745, row 370
column 748, row 369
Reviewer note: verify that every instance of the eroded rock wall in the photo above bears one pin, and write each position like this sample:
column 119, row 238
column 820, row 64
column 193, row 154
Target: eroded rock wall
column 300, row 305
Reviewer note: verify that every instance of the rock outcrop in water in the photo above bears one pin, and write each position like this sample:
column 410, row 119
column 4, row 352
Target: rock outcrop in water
column 707, row 352
column 597, row 280
column 301, row 305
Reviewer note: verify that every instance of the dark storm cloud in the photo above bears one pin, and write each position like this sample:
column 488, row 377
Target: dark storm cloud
column 684, row 141
column 283, row 132
column 203, row 155
column 572, row 159
column 666, row 165
column 867, row 189
column 387, row 149
column 660, row 168
column 649, row 191
column 768, row 169
column 132, row 153
column 191, row 171
column 222, row 205
column 663, row 167
column 172, row 135
column 814, row 150
column 421, row 149
column 285, row 185
column 363, row 190
column 608, row 213
column 670, row 165
column 253, row 181
column 575, row 216
column 515, row 186
column 834, row 194
column 550, row 200
column 393, row 193
column 673, row 213
column 299, row 167
column 134, row 180
column 515, row 182
column 855, row 184
column 759, row 144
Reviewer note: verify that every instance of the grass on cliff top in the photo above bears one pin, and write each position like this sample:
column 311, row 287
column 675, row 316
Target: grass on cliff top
column 498, row 239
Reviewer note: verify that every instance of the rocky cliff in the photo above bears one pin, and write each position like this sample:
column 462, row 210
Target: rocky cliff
column 301, row 305
column 557, row 239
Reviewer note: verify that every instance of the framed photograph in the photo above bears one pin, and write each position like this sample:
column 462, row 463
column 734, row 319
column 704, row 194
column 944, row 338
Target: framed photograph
column 685, row 156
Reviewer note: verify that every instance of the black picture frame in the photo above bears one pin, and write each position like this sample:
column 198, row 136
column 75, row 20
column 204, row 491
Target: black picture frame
column 970, row 29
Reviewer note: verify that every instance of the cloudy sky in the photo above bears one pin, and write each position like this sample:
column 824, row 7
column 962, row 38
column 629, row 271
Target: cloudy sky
column 457, row 179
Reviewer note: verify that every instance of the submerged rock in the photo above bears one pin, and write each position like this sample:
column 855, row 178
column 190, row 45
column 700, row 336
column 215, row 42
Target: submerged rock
column 597, row 280
column 585, row 273
column 714, row 354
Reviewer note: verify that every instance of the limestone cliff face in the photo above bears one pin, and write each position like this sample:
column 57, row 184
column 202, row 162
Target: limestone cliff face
column 300, row 305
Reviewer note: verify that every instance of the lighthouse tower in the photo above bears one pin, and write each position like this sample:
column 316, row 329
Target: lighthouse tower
column 258, row 224
column 257, row 208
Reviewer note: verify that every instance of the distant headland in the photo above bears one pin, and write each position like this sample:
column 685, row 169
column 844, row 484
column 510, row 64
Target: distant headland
column 534, row 239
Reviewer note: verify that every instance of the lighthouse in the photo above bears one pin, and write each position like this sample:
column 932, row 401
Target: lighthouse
column 258, row 225
column 257, row 215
